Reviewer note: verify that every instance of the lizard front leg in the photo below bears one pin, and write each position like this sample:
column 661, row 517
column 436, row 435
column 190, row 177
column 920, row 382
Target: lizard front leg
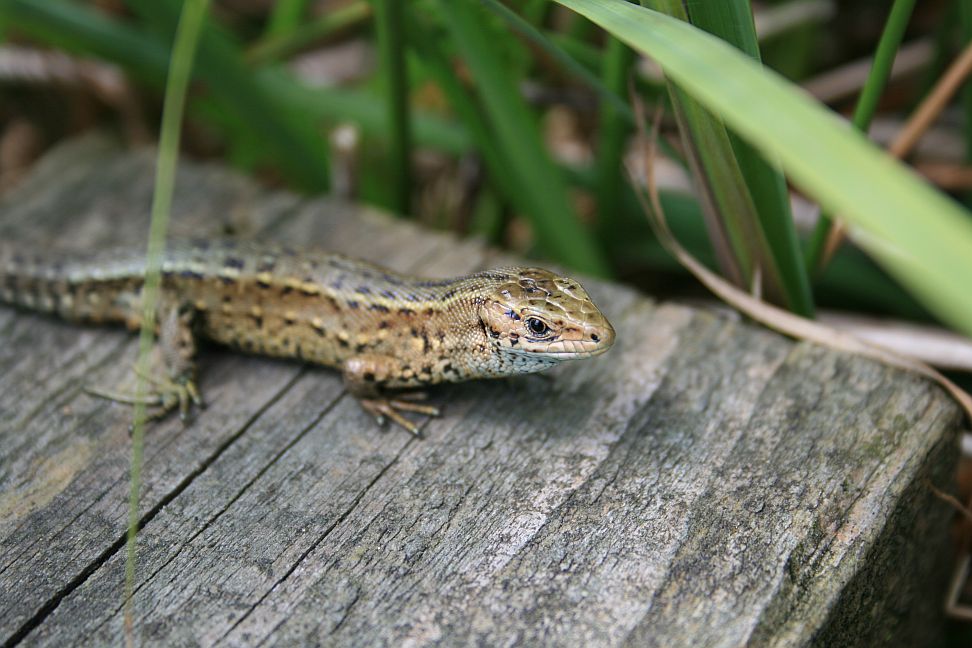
column 172, row 376
column 177, row 348
column 364, row 376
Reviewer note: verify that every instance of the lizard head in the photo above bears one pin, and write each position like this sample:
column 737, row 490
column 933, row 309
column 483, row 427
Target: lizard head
column 536, row 313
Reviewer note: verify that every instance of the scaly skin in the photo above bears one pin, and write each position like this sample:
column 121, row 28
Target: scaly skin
column 382, row 329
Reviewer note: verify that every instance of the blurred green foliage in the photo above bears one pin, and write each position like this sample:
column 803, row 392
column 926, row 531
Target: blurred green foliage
column 491, row 63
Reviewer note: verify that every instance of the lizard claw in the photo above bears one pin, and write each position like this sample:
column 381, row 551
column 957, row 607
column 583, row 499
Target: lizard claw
column 384, row 408
column 167, row 395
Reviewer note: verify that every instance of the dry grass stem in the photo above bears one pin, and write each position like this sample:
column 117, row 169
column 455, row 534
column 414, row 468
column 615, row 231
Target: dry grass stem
column 775, row 318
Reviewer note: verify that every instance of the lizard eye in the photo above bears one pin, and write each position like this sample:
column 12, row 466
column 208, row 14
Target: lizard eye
column 537, row 327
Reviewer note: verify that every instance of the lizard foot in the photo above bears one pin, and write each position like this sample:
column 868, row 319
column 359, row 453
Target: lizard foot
column 382, row 408
column 167, row 395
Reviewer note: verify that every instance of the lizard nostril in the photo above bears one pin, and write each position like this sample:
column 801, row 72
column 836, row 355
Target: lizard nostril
column 595, row 338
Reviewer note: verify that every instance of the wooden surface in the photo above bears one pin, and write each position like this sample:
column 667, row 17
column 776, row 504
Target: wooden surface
column 706, row 483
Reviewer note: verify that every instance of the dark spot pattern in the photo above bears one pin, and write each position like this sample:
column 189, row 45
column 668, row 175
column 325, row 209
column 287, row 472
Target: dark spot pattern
column 266, row 265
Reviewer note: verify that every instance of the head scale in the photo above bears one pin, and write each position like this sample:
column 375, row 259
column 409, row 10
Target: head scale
column 539, row 314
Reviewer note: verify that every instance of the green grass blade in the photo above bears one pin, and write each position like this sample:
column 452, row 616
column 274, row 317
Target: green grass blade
column 429, row 46
column 276, row 46
column 920, row 236
column 293, row 144
column 608, row 93
column 183, row 53
column 286, row 16
column 86, row 31
column 732, row 20
column 79, row 29
column 89, row 32
column 389, row 23
column 535, row 11
column 363, row 108
column 613, row 131
column 293, row 140
column 558, row 229
column 877, row 78
column 731, row 214
column 727, row 204
column 965, row 25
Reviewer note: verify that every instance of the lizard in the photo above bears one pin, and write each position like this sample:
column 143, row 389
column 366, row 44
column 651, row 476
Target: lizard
column 383, row 330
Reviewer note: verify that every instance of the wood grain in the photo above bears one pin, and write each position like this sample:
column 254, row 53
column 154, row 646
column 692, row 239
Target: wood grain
column 706, row 483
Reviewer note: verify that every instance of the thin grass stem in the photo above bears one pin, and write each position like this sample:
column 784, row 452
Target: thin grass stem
column 180, row 71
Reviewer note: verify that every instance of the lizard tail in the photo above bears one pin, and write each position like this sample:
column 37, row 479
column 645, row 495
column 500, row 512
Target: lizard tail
column 70, row 286
column 27, row 281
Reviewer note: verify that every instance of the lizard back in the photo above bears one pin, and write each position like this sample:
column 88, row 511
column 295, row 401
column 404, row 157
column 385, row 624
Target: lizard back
column 272, row 300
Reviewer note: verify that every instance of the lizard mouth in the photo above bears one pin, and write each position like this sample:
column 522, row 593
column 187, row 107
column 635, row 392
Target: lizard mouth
column 572, row 349
column 575, row 349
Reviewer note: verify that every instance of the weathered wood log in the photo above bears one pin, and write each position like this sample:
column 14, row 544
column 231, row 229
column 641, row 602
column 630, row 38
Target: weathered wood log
column 706, row 483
